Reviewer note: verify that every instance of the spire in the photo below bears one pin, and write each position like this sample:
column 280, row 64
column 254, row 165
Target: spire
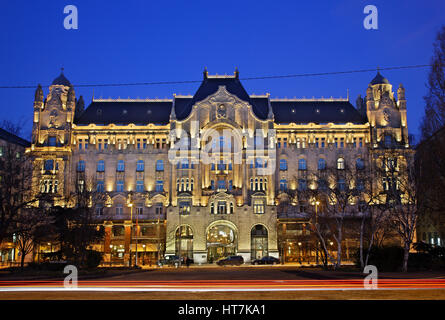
column 38, row 97
column 205, row 73
column 270, row 114
column 236, row 73
column 173, row 114
column 80, row 105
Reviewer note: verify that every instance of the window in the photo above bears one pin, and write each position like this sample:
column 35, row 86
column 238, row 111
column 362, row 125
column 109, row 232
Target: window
column 139, row 209
column 159, row 165
column 321, row 164
column 221, row 184
column 140, row 165
column 322, row 185
column 222, row 207
column 139, row 186
column 283, row 164
column 80, row 144
column 1, row 151
column 323, row 142
column 120, row 186
column 100, row 166
column 230, row 185
column 283, row 184
column 52, row 141
column 360, row 142
column 184, row 207
column 49, row 165
column 99, row 209
column 340, row 164
column 360, row 164
column 302, row 164
column 212, row 184
column 212, row 208
column 100, row 186
column 258, row 206
column 388, row 141
column 342, row 142
column 159, row 186
column 80, row 166
column 105, row 144
column 221, row 166
column 341, row 185
column 120, row 166
column 158, row 208
column 119, row 209
column 302, row 184
column 317, row 145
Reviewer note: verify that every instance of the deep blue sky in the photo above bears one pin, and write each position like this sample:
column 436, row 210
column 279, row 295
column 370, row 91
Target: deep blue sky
column 143, row 41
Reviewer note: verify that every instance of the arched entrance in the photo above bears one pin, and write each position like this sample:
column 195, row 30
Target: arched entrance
column 258, row 242
column 221, row 242
column 184, row 242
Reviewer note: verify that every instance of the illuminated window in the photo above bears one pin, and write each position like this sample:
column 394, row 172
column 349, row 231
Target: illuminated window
column 100, row 166
column 120, row 166
column 302, row 164
column 159, row 186
column 100, row 186
column 140, row 165
column 340, row 164
column 120, row 186
column 159, row 165
column 283, row 164
column 139, row 186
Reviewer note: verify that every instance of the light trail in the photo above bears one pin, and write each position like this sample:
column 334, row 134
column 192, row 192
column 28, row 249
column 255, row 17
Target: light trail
column 222, row 285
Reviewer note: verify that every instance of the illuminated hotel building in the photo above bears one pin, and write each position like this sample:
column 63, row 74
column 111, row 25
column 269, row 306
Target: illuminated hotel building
column 204, row 209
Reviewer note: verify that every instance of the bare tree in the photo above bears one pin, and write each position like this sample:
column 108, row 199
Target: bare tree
column 15, row 182
column 27, row 228
column 401, row 190
column 434, row 117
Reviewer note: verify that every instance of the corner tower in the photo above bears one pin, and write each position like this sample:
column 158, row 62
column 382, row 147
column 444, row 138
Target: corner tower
column 386, row 114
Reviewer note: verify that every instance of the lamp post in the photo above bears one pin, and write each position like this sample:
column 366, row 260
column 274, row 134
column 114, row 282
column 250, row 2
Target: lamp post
column 130, row 204
column 111, row 254
column 316, row 204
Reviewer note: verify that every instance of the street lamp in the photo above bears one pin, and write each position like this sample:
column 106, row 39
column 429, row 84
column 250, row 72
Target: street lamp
column 111, row 254
column 143, row 261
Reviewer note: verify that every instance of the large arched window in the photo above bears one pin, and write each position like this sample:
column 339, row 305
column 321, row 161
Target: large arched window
column 259, row 242
column 340, row 163
column 302, row 164
column 184, row 242
column 283, row 164
column 321, row 164
column 159, row 165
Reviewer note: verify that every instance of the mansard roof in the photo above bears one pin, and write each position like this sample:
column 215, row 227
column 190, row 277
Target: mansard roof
column 12, row 138
column 317, row 111
column 137, row 111
column 157, row 111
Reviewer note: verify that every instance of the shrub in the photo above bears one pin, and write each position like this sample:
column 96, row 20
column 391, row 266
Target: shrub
column 93, row 259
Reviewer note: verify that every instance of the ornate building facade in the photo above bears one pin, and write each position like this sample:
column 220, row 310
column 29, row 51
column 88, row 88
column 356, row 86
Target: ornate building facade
column 168, row 191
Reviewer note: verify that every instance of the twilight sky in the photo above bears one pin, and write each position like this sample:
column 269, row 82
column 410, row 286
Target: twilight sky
column 145, row 41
